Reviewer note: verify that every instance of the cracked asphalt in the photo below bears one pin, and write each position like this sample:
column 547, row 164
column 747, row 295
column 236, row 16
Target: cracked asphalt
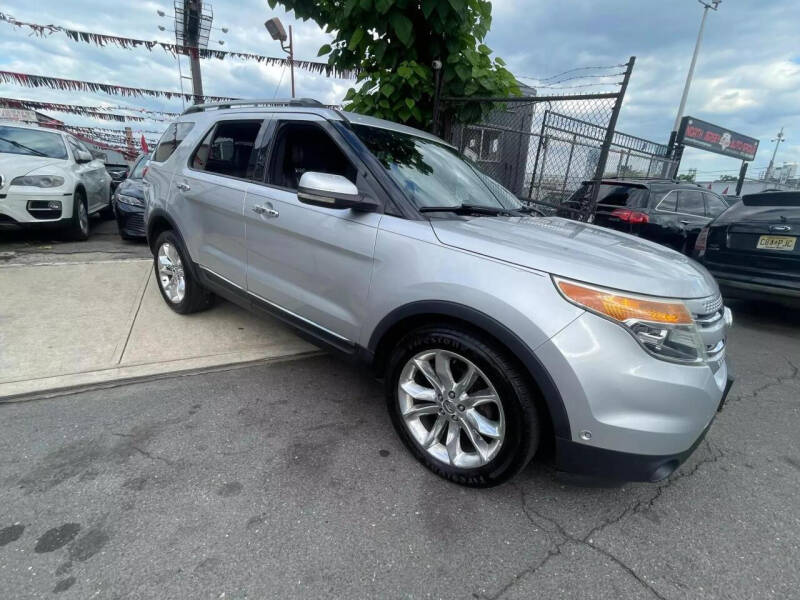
column 287, row 481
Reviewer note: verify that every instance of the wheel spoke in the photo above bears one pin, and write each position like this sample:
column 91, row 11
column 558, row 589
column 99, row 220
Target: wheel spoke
column 483, row 425
column 480, row 444
column 419, row 392
column 466, row 381
column 453, row 441
column 443, row 370
column 435, row 432
column 421, row 409
column 484, row 397
column 425, row 368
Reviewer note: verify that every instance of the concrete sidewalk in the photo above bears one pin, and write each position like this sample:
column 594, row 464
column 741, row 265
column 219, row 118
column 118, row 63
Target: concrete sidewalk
column 65, row 325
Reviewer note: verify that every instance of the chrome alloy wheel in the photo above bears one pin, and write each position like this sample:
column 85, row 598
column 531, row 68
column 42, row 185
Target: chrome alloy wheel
column 170, row 273
column 451, row 408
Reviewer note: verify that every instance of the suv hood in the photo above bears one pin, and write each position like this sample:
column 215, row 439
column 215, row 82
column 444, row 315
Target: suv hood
column 581, row 252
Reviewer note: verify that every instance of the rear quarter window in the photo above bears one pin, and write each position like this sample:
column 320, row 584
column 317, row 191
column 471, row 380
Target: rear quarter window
column 170, row 141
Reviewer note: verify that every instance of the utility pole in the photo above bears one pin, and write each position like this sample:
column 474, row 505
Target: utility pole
column 193, row 10
column 713, row 5
column 777, row 139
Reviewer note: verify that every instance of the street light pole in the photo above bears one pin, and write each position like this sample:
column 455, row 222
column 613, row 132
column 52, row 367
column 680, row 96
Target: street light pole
column 778, row 139
column 713, row 5
column 291, row 58
column 278, row 33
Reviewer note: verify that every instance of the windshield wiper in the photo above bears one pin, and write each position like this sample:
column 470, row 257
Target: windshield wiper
column 469, row 209
column 23, row 146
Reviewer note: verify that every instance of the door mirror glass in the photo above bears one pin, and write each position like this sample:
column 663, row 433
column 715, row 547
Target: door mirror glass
column 82, row 156
column 332, row 191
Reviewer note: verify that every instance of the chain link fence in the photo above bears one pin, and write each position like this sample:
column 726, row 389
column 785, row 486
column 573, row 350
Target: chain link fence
column 543, row 148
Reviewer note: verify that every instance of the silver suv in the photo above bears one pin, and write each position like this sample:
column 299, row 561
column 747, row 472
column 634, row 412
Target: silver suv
column 494, row 329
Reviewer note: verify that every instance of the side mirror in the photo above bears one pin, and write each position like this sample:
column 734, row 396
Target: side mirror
column 332, row 191
column 81, row 156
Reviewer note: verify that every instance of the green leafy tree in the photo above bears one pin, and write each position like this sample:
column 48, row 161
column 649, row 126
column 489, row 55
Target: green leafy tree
column 686, row 177
column 729, row 178
column 394, row 43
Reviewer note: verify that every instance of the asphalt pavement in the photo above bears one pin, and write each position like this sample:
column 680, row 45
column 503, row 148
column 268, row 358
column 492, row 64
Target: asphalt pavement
column 24, row 246
column 287, row 481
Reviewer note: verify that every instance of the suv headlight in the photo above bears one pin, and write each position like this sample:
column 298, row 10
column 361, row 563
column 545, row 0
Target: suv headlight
column 42, row 181
column 663, row 327
column 130, row 200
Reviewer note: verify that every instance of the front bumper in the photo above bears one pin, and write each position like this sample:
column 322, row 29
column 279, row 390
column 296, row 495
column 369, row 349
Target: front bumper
column 631, row 416
column 14, row 206
column 130, row 219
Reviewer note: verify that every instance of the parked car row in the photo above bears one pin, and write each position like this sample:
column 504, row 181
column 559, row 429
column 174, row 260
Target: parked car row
column 667, row 212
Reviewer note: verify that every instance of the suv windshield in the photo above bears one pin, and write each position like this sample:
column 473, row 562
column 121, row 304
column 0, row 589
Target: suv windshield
column 431, row 173
column 31, row 142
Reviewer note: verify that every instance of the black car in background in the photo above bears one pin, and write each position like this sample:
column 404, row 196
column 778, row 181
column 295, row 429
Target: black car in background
column 752, row 249
column 128, row 201
column 118, row 174
column 667, row 212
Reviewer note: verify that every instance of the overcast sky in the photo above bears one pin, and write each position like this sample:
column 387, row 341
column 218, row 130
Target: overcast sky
column 747, row 77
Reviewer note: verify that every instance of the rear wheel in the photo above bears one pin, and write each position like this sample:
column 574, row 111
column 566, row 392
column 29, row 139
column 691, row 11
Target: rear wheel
column 180, row 290
column 79, row 224
column 461, row 406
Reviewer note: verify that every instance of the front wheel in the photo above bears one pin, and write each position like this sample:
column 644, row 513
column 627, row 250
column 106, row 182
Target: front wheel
column 463, row 408
column 180, row 290
column 79, row 224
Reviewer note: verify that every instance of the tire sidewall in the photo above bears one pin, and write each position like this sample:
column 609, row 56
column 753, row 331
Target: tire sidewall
column 520, row 440
column 78, row 199
column 168, row 237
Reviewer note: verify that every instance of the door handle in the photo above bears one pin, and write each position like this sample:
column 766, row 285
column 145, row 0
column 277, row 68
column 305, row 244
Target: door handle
column 184, row 187
column 267, row 211
column 684, row 222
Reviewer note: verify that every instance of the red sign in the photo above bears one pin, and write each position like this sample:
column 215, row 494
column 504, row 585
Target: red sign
column 699, row 134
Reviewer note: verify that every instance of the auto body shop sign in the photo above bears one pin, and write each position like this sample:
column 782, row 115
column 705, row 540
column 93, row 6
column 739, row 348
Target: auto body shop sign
column 699, row 134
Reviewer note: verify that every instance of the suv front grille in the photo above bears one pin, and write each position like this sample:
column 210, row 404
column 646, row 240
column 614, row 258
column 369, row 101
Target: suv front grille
column 709, row 315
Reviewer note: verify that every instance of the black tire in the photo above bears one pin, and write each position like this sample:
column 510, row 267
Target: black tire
column 79, row 223
column 518, row 400
column 196, row 298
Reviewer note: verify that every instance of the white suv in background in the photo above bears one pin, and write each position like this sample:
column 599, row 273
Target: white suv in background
column 49, row 178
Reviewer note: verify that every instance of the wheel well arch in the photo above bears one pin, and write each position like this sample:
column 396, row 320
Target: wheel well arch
column 80, row 187
column 417, row 314
column 157, row 224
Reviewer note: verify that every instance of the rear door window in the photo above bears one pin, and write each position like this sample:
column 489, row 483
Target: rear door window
column 714, row 205
column 690, row 202
column 228, row 149
column 171, row 139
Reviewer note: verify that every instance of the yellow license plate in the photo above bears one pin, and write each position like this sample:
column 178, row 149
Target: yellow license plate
column 776, row 242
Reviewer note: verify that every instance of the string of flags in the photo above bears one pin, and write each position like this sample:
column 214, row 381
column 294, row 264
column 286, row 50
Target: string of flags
column 101, row 39
column 96, row 112
column 57, row 83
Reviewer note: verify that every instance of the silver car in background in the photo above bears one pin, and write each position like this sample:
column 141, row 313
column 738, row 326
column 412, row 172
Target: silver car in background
column 492, row 328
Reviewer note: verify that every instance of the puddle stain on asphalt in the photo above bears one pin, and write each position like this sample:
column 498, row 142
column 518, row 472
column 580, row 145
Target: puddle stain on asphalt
column 89, row 544
column 11, row 534
column 56, row 538
column 233, row 488
column 64, row 585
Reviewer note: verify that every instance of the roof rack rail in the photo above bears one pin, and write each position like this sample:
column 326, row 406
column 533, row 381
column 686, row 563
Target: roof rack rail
column 306, row 102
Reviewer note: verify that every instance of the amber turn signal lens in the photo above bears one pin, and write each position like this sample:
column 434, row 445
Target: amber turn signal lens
column 621, row 308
